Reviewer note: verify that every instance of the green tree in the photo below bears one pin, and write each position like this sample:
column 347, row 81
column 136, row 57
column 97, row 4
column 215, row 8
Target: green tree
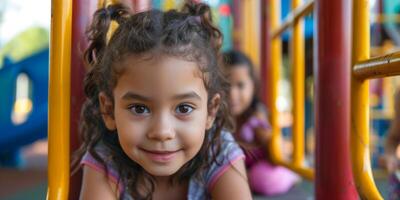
column 25, row 44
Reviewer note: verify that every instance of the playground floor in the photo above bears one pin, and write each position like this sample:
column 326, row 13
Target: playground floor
column 30, row 181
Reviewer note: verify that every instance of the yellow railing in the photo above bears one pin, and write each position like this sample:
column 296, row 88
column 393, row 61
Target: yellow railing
column 364, row 69
column 294, row 20
column 382, row 18
column 59, row 100
column 295, row 15
column 105, row 3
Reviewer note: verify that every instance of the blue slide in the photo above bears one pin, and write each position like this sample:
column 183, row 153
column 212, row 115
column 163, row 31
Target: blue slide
column 12, row 137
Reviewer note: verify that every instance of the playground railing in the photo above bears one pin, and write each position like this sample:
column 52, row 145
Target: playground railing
column 294, row 21
column 59, row 100
column 363, row 69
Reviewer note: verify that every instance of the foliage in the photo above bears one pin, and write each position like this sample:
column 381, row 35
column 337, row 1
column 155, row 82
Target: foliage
column 25, row 44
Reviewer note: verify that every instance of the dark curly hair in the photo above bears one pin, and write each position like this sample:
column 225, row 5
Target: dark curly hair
column 188, row 34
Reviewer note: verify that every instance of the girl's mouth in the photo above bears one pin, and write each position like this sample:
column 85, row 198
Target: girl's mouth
column 160, row 156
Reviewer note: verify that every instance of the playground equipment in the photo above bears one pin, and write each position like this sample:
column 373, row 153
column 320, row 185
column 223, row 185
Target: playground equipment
column 13, row 136
column 339, row 87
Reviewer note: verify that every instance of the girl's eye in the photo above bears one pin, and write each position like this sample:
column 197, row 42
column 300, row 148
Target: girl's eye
column 139, row 109
column 184, row 109
column 240, row 85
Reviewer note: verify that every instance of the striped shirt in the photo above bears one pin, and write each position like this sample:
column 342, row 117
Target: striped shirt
column 230, row 152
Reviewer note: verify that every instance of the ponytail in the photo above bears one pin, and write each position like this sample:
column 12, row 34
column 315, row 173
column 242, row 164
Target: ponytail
column 100, row 31
column 203, row 13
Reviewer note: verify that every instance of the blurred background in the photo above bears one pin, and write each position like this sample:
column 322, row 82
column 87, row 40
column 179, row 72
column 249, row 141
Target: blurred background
column 24, row 72
column 24, row 58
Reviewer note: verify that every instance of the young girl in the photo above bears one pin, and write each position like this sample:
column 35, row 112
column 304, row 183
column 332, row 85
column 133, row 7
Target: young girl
column 253, row 130
column 155, row 120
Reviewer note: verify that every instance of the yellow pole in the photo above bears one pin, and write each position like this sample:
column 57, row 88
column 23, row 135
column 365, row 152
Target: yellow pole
column 388, row 93
column 273, row 78
column 359, row 138
column 297, row 58
column 169, row 4
column 105, row 3
column 59, row 100
column 250, row 28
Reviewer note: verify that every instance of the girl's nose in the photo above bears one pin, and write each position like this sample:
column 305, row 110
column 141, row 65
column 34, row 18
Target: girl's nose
column 233, row 94
column 162, row 128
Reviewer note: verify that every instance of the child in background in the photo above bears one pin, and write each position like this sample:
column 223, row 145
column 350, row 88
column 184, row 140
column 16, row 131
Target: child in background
column 155, row 120
column 252, row 127
column 392, row 144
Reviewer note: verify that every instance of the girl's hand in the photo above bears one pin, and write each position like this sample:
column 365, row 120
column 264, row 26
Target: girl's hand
column 254, row 130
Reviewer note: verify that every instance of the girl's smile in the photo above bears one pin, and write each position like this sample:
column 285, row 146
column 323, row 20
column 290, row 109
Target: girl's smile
column 160, row 156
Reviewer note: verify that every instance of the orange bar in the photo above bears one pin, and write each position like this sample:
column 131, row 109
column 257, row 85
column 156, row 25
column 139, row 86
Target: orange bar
column 59, row 100
column 298, row 76
column 293, row 16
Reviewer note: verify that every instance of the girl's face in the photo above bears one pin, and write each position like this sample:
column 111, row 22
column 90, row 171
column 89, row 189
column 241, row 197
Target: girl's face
column 242, row 89
column 160, row 112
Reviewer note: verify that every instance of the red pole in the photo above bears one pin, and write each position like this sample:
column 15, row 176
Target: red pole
column 265, row 50
column 141, row 5
column 332, row 101
column 82, row 11
column 237, row 23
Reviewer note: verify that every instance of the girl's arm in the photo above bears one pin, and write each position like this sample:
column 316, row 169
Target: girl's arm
column 263, row 135
column 232, row 184
column 95, row 185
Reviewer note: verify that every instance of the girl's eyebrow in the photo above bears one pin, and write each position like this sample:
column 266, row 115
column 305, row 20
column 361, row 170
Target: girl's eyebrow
column 189, row 95
column 131, row 95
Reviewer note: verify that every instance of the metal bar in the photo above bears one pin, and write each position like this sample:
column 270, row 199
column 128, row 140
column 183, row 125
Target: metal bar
column 81, row 14
column 141, row 5
column 383, row 18
column 273, row 74
column 237, row 23
column 59, row 100
column 265, row 50
column 334, row 178
column 297, row 59
column 296, row 14
column 383, row 66
column 105, row 3
column 388, row 91
column 250, row 42
column 359, row 138
column 273, row 78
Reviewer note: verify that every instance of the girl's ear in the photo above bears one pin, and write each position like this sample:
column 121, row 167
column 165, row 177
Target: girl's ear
column 106, row 110
column 212, row 110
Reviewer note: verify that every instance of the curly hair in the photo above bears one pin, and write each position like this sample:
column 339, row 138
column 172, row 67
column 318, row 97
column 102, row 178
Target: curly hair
column 188, row 34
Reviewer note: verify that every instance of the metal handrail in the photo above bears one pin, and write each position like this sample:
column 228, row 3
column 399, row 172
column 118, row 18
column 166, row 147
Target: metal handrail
column 297, row 41
column 59, row 100
column 293, row 16
column 382, row 66
column 359, row 138
column 383, row 18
